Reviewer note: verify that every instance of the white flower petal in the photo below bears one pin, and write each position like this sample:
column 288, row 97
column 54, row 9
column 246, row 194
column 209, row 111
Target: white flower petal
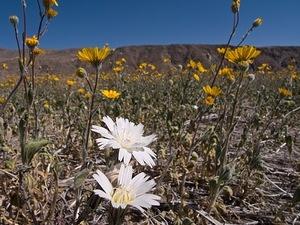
column 103, row 182
column 102, row 194
column 104, row 132
column 109, row 123
column 125, row 175
column 127, row 157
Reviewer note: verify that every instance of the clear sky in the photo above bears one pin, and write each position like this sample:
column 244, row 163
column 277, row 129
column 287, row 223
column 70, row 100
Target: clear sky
column 136, row 22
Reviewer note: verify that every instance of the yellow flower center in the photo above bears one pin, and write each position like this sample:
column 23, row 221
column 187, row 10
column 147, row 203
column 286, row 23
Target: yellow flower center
column 122, row 196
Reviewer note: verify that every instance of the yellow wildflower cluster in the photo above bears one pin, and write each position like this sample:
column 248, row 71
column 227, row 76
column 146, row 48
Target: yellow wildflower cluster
column 119, row 66
column 228, row 73
column 264, row 68
column 197, row 69
column 111, row 94
column 284, row 92
column 146, row 68
column 9, row 82
column 211, row 94
column 53, row 78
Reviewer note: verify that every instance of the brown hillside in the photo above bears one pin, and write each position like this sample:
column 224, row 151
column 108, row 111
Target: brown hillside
column 65, row 61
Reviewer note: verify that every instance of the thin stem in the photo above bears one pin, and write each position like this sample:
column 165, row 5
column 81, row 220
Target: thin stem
column 24, row 28
column 90, row 115
column 17, row 40
column 231, row 124
column 234, row 27
column 40, row 8
column 245, row 36
column 33, row 96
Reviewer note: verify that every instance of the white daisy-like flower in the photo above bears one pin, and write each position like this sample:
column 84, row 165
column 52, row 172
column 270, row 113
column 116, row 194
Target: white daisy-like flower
column 128, row 138
column 128, row 191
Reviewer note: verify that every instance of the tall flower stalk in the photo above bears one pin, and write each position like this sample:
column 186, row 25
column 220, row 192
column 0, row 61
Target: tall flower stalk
column 94, row 56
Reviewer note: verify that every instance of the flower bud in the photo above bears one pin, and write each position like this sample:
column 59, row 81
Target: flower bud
column 235, row 7
column 257, row 22
column 32, row 42
column 51, row 13
column 14, row 20
column 251, row 77
column 244, row 66
column 81, row 72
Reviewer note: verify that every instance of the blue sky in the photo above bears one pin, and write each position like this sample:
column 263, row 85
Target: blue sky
column 137, row 22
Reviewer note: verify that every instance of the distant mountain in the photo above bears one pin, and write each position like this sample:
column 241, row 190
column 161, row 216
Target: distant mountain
column 66, row 62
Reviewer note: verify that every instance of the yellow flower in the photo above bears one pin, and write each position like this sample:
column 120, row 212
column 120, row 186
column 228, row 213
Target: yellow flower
column 192, row 64
column 264, row 68
column 209, row 100
column 118, row 69
column 4, row 66
column 196, row 76
column 152, row 67
column 32, row 42
column 212, row 91
column 53, row 78
column 49, row 3
column 285, row 92
column 201, row 68
column 228, row 73
column 241, row 55
column 70, row 83
column 93, row 56
column 2, row 100
column 166, row 60
column 46, row 104
column 111, row 94
column 221, row 50
column 81, row 91
column 38, row 51
column 51, row 13
column 88, row 95
column 294, row 75
column 197, row 66
column 143, row 66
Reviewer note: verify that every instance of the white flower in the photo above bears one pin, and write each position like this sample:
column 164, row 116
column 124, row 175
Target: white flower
column 129, row 191
column 128, row 138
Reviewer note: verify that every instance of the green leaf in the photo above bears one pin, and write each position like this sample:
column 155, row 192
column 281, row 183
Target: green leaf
column 31, row 148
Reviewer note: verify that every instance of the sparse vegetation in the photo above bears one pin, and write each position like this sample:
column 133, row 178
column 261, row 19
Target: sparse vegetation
column 206, row 145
